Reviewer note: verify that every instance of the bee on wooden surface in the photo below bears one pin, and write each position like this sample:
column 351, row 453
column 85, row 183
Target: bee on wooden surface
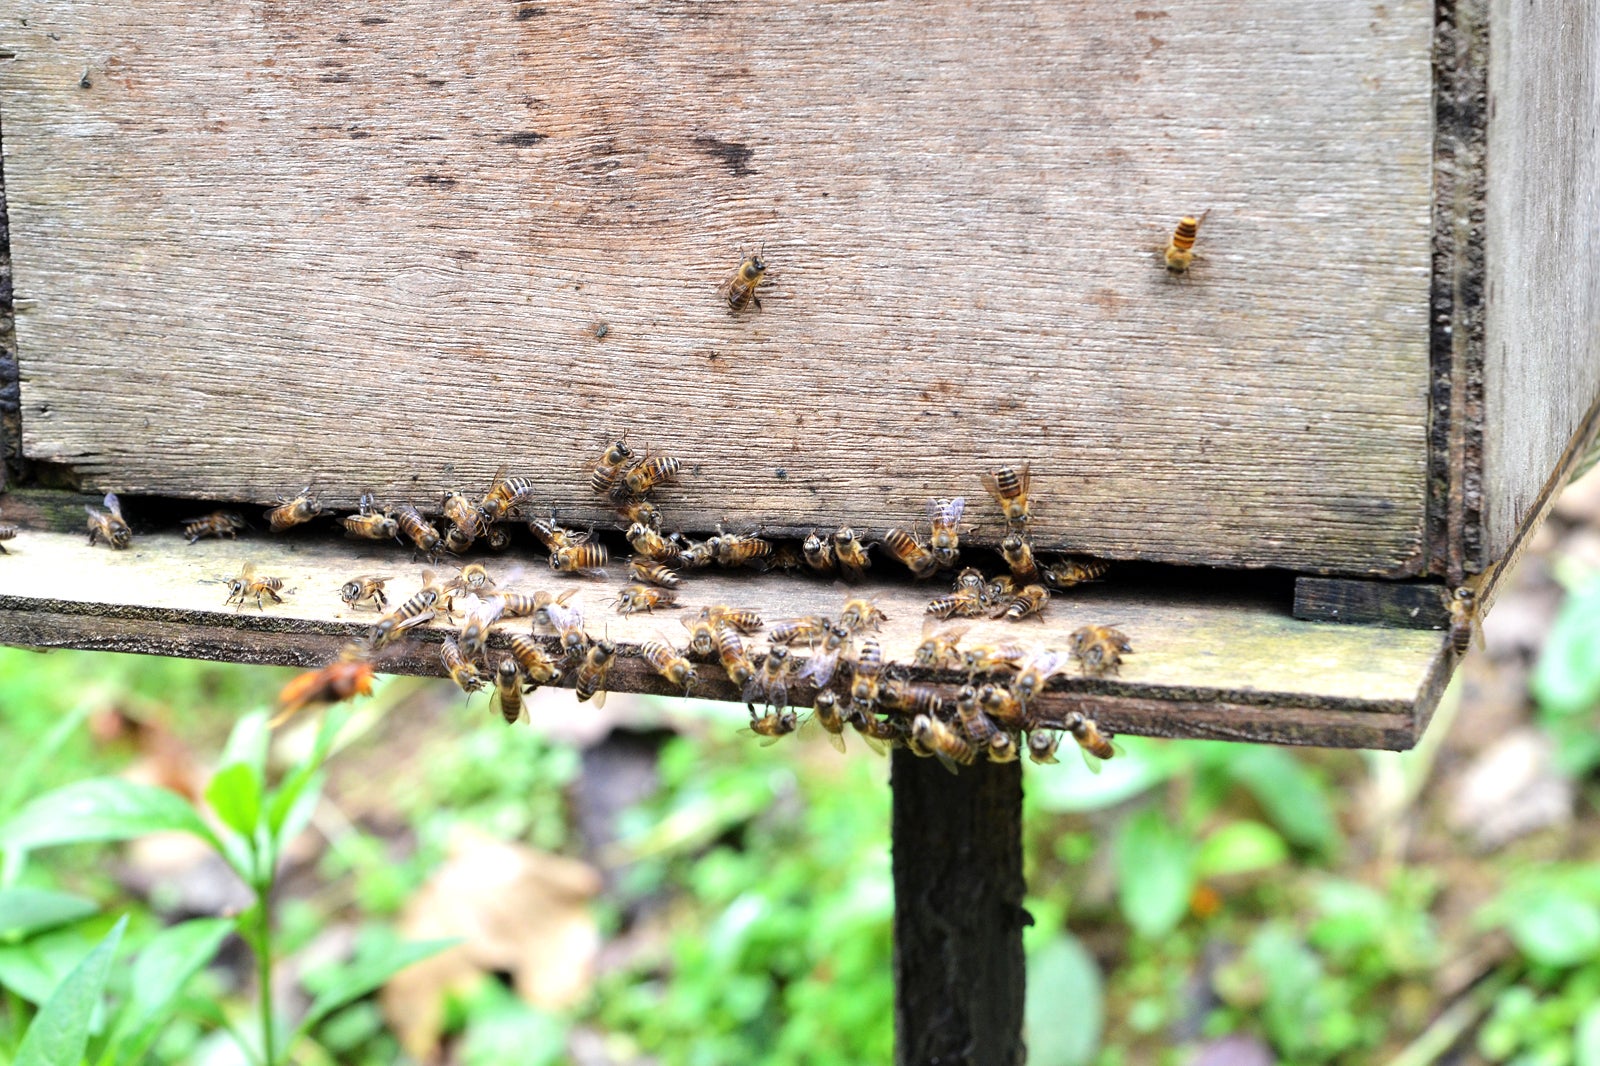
column 1035, row 673
column 365, row 589
column 938, row 649
column 568, row 624
column 859, row 615
column 654, row 573
column 907, row 698
column 770, row 686
column 481, row 617
column 1001, row 590
column 504, row 494
column 810, row 629
column 730, row 652
column 1180, row 249
column 422, row 532
column 1099, row 649
column 508, row 691
column 370, row 523
column 474, row 577
column 391, row 627
column 962, row 603
column 1464, row 627
column 818, row 553
column 743, row 619
column 497, row 539
column 535, row 605
column 867, row 675
column 702, row 635
column 215, row 524
column 819, row 668
column 461, row 671
column 1001, row 705
column 944, row 537
column 605, row 473
column 1069, row 572
column 635, row 598
column 987, row 658
column 7, row 533
column 971, row 579
column 642, row 511
column 850, row 554
column 826, row 715
column 740, row 290
column 697, row 555
column 975, row 724
column 586, row 559
column 1029, row 600
column 1042, row 745
column 109, row 525
column 554, row 537
column 346, row 677
column 591, row 678
column 952, row 750
column 917, row 556
column 1018, row 554
column 536, row 665
column 736, row 550
column 666, row 661
column 645, row 476
column 249, row 584
column 1097, row 747
column 467, row 523
column 773, row 726
column 1009, row 487
column 293, row 512
column 1003, row 747
column 652, row 545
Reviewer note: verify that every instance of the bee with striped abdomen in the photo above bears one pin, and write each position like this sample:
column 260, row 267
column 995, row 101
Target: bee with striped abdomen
column 818, row 552
column 508, row 691
column 1030, row 600
column 536, row 665
column 591, row 679
column 1099, row 649
column 1018, row 554
column 586, row 559
column 1009, row 487
column 365, row 589
column 215, row 524
column 423, row 534
column 654, row 573
column 666, row 661
column 1066, row 573
column 109, row 525
column 460, row 670
column 249, row 584
column 850, row 554
column 605, row 473
column 293, row 512
column 740, row 289
column 504, row 494
column 944, row 537
column 642, row 477
column 635, row 598
column 1180, row 248
column 917, row 556
column 370, row 523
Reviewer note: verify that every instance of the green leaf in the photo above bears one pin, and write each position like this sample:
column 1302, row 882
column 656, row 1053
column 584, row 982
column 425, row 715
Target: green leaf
column 1238, row 848
column 366, row 975
column 1295, row 800
column 1555, row 929
column 33, row 968
column 1566, row 679
column 1065, row 1006
column 60, row 1031
column 235, row 795
column 106, row 808
column 165, row 965
column 291, row 807
column 25, row 911
column 247, row 744
column 19, row 777
column 1155, row 873
column 1586, row 1040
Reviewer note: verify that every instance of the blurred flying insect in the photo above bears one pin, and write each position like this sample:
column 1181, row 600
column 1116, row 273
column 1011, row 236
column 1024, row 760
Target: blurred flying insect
column 1099, row 649
column 826, row 714
column 944, row 537
column 586, row 559
column 109, row 525
column 666, row 661
column 818, row 669
column 293, row 512
column 508, row 691
column 215, row 524
column 773, row 726
column 1009, row 487
column 1180, row 248
column 1066, row 573
column 365, row 589
column 740, row 289
column 606, row 471
column 1018, row 554
column 248, row 584
column 917, row 556
column 1034, row 675
column 1097, row 747
column 370, row 523
column 859, row 615
column 459, row 669
column 348, row 676
column 1042, row 745
column 591, row 678
column 850, row 554
column 635, row 598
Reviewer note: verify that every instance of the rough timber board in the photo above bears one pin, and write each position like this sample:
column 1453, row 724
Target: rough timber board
column 278, row 242
column 1234, row 668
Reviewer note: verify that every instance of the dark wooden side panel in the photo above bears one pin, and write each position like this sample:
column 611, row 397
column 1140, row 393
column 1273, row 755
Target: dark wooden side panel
column 1407, row 604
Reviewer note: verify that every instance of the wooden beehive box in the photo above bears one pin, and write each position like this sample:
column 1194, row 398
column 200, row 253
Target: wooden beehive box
column 389, row 249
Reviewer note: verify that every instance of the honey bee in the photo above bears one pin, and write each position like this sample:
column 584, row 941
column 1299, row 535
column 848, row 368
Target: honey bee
column 481, row 617
column 568, row 624
column 536, row 605
column 743, row 619
column 826, row 714
column 877, row 732
column 365, row 589
column 771, row 684
column 859, row 615
column 635, row 598
column 648, row 570
column 938, row 648
column 652, row 545
column 536, row 665
column 1018, row 554
column 944, row 538
column 1464, row 627
column 462, row 672
column 1099, row 649
column 1029, row 600
column 696, row 555
column 422, row 532
column 346, row 677
column 646, row 475
column 810, row 629
column 393, row 626
column 248, row 584
column 455, row 542
column 508, row 691
column 1001, row 705
column 867, row 676
column 586, row 559
column 952, row 750
column 1035, row 673
column 819, row 668
column 605, row 473
column 1180, row 249
column 591, row 679
column 987, row 658
column 7, row 533
column 292, row 512
column 1042, row 745
column 730, row 651
column 474, row 577
column 215, row 524
column 1000, row 590
column 740, row 290
column 504, row 494
column 109, row 525
column 497, row 539
column 664, row 660
column 1097, row 747
column 773, row 726
column 1069, row 572
column 918, row 557
column 850, row 554
column 818, row 553
column 735, row 550
column 702, row 635
column 962, row 603
column 370, row 524
column 901, row 696
column 1003, row 747
column 1009, row 487
column 641, row 511
column 978, row 726
column 467, row 522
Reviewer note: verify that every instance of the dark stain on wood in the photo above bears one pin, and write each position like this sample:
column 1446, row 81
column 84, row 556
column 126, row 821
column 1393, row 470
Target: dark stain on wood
column 374, row 20
column 525, row 13
column 436, row 180
column 735, row 156
column 526, row 139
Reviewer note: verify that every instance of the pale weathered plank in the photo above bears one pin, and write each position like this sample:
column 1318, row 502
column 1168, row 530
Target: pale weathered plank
column 276, row 242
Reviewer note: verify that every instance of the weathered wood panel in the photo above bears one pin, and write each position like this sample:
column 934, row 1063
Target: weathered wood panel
column 273, row 242
column 1408, row 604
column 1542, row 351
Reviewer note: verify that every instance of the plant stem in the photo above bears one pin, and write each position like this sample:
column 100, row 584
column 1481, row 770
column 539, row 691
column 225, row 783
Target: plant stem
column 269, row 1053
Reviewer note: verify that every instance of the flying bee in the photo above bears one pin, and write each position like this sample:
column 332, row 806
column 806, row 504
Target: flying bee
column 1069, row 572
column 536, row 665
column 702, row 635
column 591, row 678
column 555, row 537
column 635, row 598
column 859, row 615
column 606, row 471
column 818, row 553
column 652, row 545
column 819, row 668
column 987, row 658
column 481, row 617
column 1035, row 673
column 1096, row 746
column 771, row 683
column 697, row 555
column 292, row 512
column 730, row 652
column 508, row 691
column 850, row 554
column 918, row 557
column 504, row 494
column 773, row 726
column 867, row 673
column 1001, row 705
column 1099, row 649
column 215, row 524
column 568, row 624
column 365, row 589
column 952, row 750
column 109, row 525
column 1464, row 627
column 648, row 570
column 664, row 660
column 736, row 550
column 462, row 672
column 348, row 676
column 978, row 726
column 938, row 648
column 1018, row 554
column 393, row 626
column 826, row 714
column 370, row 523
column 962, row 603
column 586, row 559
column 1009, row 487
column 810, row 629
column 1180, row 249
column 249, row 584
column 740, row 290
column 1042, row 745
column 422, row 532
column 743, row 619
column 944, row 538
column 1029, row 600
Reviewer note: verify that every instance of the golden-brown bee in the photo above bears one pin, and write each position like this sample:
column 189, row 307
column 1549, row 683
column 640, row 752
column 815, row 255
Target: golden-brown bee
column 292, row 512
column 1069, row 572
column 867, row 674
column 365, row 589
column 652, row 545
column 850, row 554
column 642, row 511
column 918, row 557
column 109, row 525
column 826, row 714
column 461, row 671
column 474, row 577
column 962, row 603
column 481, row 617
column 568, row 624
column 215, row 524
column 819, row 668
column 1097, row 747
column 421, row 531
column 648, row 570
column 859, row 615
column 467, row 522
column 951, row 748
column 1180, row 249
column 697, row 554
column 535, row 605
column 1042, row 745
column 1035, row 673
column 646, row 475
column 370, row 523
column 587, row 559
column 1000, row 590
column 7, row 533
column 1464, row 627
column 497, row 539
column 773, row 726
column 938, row 648
column 591, row 679
column 1003, row 747
column 897, row 695
column 987, row 658
column 504, row 494
column 1001, row 705
column 508, row 691
column 702, row 635
column 1029, row 600
column 819, row 553
column 743, row 619
column 978, row 726
column 635, row 598
column 810, row 629
column 1009, row 487
column 536, row 665
column 555, row 537
column 1018, row 554
column 665, row 660
column 730, row 651
column 771, row 684
column 878, row 732
column 740, row 290
column 348, row 676
column 606, row 471
column 1099, row 649
column 944, row 537
column 249, row 584
column 733, row 549
column 393, row 626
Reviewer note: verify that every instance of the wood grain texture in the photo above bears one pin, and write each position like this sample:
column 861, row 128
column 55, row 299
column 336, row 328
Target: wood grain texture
column 275, row 243
column 1542, row 357
column 1408, row 604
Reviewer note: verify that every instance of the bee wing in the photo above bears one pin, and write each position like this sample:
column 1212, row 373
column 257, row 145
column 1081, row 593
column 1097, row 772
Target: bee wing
column 993, row 487
column 491, row 609
column 819, row 668
column 113, row 504
column 564, row 617
column 947, row 762
column 1091, row 760
column 754, row 690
